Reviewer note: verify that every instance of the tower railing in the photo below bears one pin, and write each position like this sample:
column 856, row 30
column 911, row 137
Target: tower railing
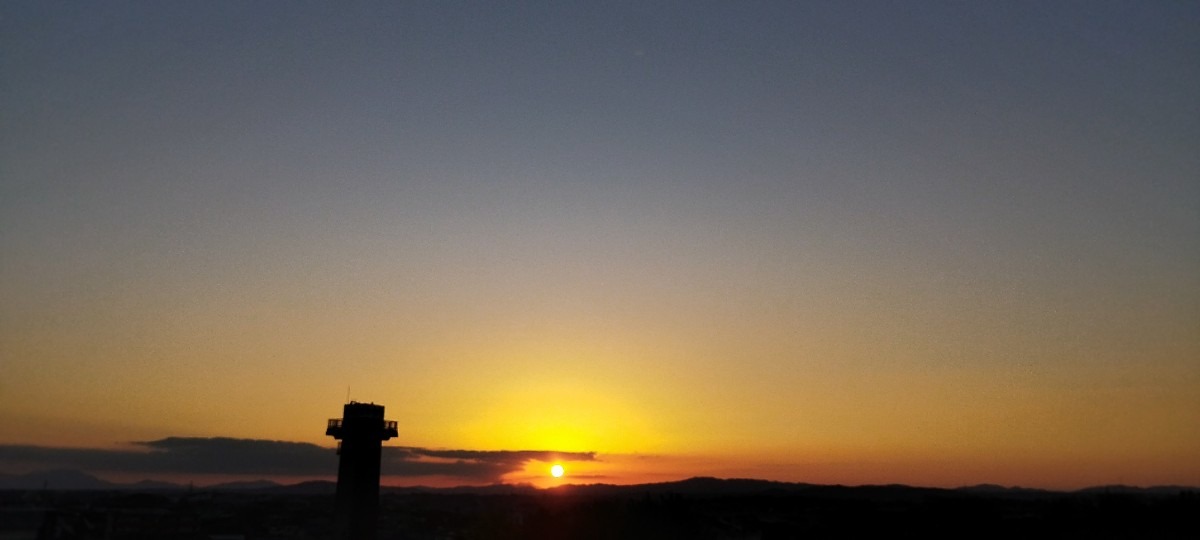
column 337, row 423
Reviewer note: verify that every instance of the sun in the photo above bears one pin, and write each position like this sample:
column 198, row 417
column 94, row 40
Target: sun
column 556, row 471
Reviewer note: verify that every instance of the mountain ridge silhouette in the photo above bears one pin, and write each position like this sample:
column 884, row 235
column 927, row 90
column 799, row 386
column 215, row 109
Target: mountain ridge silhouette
column 75, row 480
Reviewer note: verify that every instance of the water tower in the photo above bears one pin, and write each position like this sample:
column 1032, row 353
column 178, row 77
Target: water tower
column 360, row 431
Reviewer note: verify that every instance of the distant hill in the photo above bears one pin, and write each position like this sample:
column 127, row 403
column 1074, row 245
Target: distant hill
column 1134, row 490
column 692, row 486
column 1014, row 491
column 73, row 480
column 54, row 480
column 315, row 487
column 244, row 485
column 149, row 485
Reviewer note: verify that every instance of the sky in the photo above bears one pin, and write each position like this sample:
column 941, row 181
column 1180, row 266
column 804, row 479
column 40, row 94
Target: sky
column 934, row 243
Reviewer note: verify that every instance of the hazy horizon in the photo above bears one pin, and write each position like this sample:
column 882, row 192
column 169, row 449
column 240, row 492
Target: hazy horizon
column 535, row 478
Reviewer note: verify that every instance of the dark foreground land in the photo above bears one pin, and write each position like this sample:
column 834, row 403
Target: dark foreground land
column 698, row 508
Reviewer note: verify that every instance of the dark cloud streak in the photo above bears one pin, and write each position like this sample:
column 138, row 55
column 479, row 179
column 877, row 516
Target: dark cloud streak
column 477, row 465
column 222, row 455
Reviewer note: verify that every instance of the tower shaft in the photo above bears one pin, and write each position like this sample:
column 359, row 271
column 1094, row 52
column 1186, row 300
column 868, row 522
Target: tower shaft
column 361, row 432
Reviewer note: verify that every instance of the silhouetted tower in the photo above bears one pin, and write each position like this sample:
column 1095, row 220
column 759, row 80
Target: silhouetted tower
column 361, row 431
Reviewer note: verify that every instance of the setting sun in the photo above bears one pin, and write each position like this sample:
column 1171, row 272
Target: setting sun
column 556, row 471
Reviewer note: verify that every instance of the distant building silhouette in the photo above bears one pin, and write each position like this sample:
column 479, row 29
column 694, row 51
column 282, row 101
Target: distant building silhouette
column 361, row 431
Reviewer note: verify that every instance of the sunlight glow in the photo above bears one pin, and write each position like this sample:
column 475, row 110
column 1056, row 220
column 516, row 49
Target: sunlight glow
column 565, row 414
column 556, row 471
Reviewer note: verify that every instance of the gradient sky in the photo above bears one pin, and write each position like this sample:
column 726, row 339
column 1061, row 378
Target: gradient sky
column 939, row 243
